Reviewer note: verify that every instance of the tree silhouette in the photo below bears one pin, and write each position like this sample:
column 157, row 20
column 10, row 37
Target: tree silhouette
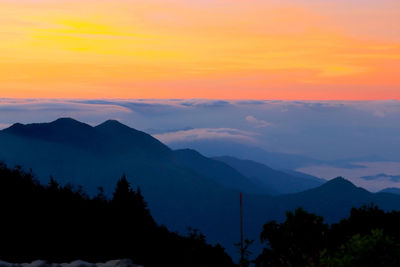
column 245, row 251
column 123, row 192
column 61, row 223
column 374, row 249
column 297, row 241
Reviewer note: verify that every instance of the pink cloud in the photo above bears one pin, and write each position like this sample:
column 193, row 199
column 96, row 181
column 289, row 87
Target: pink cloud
column 257, row 123
column 207, row 133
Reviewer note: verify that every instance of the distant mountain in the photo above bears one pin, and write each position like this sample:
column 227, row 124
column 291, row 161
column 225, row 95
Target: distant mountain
column 217, row 148
column 276, row 160
column 391, row 190
column 333, row 200
column 221, row 172
column 304, row 175
column 183, row 188
column 280, row 182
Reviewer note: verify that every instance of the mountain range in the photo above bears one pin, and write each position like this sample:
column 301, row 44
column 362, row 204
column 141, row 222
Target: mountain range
column 276, row 160
column 280, row 182
column 182, row 187
column 78, row 153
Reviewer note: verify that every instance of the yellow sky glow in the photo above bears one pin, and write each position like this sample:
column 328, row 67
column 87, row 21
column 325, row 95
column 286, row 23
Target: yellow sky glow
column 199, row 49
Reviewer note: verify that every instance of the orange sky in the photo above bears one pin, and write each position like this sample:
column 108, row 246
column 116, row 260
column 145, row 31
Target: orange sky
column 303, row 49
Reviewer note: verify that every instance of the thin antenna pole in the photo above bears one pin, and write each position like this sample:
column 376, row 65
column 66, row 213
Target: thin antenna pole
column 241, row 230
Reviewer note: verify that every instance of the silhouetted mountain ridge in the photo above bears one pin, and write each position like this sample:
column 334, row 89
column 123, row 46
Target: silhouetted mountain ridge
column 60, row 130
column 108, row 137
column 340, row 184
column 335, row 198
column 280, row 182
column 220, row 172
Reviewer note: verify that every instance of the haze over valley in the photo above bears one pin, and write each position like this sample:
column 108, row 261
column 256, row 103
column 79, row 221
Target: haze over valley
column 322, row 138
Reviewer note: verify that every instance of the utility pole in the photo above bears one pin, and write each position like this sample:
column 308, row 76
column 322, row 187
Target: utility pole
column 241, row 230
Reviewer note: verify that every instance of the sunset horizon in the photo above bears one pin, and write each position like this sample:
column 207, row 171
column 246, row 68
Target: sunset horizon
column 190, row 49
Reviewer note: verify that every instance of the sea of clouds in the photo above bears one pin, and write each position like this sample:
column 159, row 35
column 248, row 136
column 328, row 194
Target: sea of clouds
column 352, row 131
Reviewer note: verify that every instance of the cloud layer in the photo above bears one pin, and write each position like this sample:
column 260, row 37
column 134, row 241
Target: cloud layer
column 207, row 133
column 320, row 129
column 257, row 123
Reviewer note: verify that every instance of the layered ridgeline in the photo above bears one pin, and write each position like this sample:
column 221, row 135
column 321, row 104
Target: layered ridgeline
column 280, row 182
column 183, row 188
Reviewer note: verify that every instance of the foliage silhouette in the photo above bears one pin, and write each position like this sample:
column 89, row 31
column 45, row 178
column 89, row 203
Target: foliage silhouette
column 295, row 242
column 375, row 249
column 61, row 224
column 368, row 237
column 245, row 251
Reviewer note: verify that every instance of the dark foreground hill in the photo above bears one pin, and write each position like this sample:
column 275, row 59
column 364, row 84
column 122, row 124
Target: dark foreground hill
column 61, row 224
column 182, row 188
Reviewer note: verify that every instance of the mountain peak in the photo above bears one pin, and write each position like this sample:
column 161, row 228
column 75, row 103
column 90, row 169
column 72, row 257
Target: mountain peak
column 126, row 138
column 15, row 126
column 65, row 120
column 60, row 130
column 111, row 123
column 339, row 184
column 68, row 122
column 59, row 123
column 109, row 137
column 340, row 179
column 114, row 127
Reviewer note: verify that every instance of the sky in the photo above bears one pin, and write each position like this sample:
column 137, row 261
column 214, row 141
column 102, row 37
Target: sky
column 121, row 49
